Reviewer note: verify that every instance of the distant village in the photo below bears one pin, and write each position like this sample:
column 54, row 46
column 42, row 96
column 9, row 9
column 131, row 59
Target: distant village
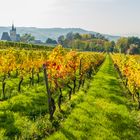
column 13, row 35
column 27, row 38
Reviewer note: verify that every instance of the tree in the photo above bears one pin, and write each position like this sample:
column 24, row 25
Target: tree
column 134, row 45
column 51, row 41
column 100, row 36
column 134, row 40
column 61, row 40
column 109, row 46
column 27, row 38
column 70, row 36
column 122, row 44
column 133, row 49
column 92, row 36
column 77, row 36
column 86, row 36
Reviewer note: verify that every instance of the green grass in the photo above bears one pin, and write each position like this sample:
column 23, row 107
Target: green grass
column 101, row 112
column 105, row 114
column 25, row 115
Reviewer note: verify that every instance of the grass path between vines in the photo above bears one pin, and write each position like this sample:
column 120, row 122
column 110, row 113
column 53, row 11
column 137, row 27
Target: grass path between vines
column 105, row 113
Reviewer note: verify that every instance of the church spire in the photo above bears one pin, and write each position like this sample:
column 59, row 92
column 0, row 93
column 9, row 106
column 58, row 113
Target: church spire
column 13, row 28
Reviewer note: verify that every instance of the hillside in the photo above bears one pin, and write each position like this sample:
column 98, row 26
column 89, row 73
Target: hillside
column 44, row 33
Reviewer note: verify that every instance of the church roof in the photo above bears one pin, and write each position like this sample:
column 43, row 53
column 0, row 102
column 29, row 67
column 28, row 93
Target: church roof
column 5, row 36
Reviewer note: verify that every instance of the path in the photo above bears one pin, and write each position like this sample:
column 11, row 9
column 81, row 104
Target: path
column 105, row 113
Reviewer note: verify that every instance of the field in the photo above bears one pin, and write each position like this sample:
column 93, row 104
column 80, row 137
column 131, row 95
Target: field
column 64, row 94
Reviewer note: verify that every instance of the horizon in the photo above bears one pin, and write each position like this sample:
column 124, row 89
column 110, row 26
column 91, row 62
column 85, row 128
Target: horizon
column 113, row 17
column 125, row 35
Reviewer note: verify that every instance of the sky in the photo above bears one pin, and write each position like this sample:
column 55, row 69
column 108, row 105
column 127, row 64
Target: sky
column 115, row 17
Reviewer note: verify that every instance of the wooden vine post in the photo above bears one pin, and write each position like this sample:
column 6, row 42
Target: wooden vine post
column 51, row 105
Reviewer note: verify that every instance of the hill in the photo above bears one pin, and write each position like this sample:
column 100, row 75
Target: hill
column 54, row 33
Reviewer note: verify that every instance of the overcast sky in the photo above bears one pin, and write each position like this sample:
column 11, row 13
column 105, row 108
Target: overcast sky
column 105, row 16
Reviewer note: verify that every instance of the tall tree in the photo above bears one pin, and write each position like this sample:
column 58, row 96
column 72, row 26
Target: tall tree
column 27, row 38
column 122, row 44
column 70, row 36
column 61, row 40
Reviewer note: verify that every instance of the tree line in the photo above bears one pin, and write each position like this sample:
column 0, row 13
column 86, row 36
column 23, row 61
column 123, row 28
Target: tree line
column 128, row 45
column 86, row 42
column 97, row 42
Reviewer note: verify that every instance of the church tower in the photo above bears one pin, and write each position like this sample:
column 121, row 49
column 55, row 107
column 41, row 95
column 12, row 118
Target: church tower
column 13, row 33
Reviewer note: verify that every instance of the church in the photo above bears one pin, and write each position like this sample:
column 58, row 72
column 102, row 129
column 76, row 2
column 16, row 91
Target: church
column 13, row 35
